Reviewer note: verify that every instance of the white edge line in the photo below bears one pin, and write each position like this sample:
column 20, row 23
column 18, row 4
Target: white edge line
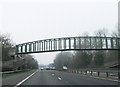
column 25, row 79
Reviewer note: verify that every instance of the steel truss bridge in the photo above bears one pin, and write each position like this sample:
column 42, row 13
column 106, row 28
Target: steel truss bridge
column 69, row 43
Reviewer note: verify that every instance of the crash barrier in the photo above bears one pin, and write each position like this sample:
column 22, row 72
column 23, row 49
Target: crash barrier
column 107, row 73
column 7, row 72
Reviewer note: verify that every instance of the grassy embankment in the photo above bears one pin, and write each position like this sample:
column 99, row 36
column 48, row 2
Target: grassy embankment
column 4, row 75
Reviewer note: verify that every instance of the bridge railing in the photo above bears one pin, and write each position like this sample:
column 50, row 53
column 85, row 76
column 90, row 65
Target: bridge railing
column 69, row 43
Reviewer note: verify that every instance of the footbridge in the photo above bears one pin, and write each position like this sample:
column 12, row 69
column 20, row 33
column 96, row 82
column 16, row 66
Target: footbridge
column 69, row 43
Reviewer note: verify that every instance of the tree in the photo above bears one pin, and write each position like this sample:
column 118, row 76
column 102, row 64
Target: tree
column 111, row 56
column 7, row 46
column 62, row 59
column 99, row 56
column 98, row 59
column 101, row 32
column 31, row 63
column 115, row 33
column 58, row 61
column 82, row 59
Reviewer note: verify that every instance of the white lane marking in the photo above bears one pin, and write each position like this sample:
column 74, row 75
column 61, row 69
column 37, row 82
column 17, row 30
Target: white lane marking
column 59, row 78
column 104, row 78
column 52, row 74
column 25, row 79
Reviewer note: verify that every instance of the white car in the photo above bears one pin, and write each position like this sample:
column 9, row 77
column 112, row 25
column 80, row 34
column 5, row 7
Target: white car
column 42, row 68
column 64, row 68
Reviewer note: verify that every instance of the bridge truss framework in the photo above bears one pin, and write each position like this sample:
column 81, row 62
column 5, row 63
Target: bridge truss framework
column 69, row 43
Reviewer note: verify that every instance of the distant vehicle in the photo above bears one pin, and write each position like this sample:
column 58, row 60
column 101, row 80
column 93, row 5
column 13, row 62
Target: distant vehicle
column 42, row 68
column 52, row 68
column 65, row 68
column 48, row 68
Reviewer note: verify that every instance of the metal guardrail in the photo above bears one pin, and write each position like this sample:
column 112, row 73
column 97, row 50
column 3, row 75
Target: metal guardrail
column 7, row 72
column 113, row 73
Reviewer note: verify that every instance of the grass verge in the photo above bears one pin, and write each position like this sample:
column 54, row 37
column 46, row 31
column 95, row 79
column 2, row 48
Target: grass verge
column 5, row 75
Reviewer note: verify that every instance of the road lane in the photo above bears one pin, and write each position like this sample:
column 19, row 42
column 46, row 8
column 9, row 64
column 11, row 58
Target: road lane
column 45, row 77
column 77, row 79
column 51, row 77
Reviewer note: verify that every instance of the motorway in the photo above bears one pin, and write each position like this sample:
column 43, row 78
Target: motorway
column 53, row 77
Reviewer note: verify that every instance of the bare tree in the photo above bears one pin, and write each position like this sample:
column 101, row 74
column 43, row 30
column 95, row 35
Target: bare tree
column 115, row 33
column 101, row 32
column 7, row 46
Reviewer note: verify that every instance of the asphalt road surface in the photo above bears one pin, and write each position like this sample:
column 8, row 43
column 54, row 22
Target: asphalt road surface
column 52, row 77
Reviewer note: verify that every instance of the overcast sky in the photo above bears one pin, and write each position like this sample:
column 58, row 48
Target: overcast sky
column 30, row 20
